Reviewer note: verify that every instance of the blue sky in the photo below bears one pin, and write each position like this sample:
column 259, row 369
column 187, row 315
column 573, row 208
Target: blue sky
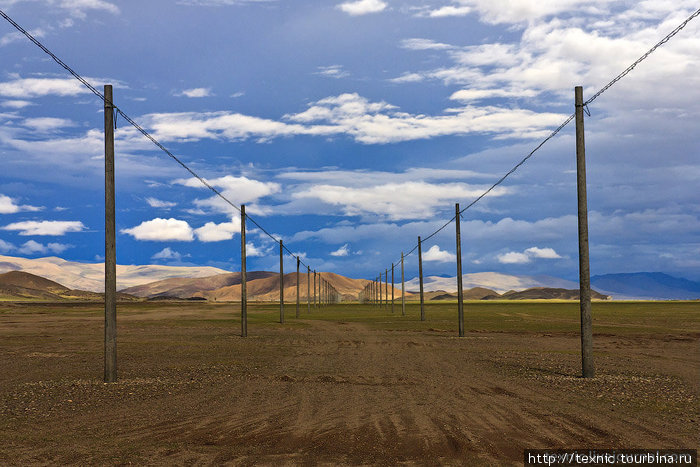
column 349, row 128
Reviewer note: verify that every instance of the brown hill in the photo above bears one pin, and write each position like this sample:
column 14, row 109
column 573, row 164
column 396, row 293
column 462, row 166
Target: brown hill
column 19, row 285
column 189, row 287
column 547, row 293
column 261, row 285
column 475, row 293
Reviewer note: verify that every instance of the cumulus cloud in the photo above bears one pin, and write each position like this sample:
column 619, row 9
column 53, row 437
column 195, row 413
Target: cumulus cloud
column 9, row 206
column 32, row 248
column 239, row 190
column 157, row 203
column 342, row 251
column 54, row 228
column 78, row 8
column 212, row 232
column 514, row 257
column 362, row 7
column 162, row 230
column 251, row 250
column 167, row 254
column 438, row 255
column 195, row 92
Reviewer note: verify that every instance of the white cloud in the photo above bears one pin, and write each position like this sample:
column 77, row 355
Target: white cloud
column 31, row 248
column 342, row 251
column 6, row 247
column 162, row 230
column 11, row 37
column 8, row 206
column 156, row 203
column 407, row 200
column 38, row 87
column 424, row 44
column 478, row 94
column 354, row 116
column 45, row 227
column 450, row 10
column 46, row 124
column 220, row 2
column 332, row 71
column 239, row 190
column 195, row 92
column 167, row 253
column 438, row 255
column 362, row 7
column 212, row 232
column 514, row 257
column 251, row 250
column 77, row 8
column 16, row 104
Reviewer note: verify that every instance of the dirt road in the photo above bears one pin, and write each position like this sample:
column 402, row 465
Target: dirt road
column 329, row 391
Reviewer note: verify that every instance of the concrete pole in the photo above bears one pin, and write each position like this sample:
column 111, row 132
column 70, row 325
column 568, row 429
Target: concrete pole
column 460, row 294
column 244, row 278
column 587, row 367
column 110, row 363
column 308, row 289
column 403, row 290
column 298, row 299
column 420, row 278
column 281, row 282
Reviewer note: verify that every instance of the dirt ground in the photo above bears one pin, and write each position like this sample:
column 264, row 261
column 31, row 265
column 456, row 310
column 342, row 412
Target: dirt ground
column 345, row 385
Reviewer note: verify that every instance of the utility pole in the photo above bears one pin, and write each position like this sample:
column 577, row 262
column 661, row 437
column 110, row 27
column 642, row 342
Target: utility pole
column 298, row 261
column 420, row 278
column 281, row 282
column 403, row 290
column 587, row 367
column 110, row 370
column 460, row 295
column 244, row 292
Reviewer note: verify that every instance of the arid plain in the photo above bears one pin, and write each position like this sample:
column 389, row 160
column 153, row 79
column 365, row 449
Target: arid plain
column 346, row 384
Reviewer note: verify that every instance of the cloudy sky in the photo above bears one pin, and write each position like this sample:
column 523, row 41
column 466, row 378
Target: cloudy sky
column 350, row 128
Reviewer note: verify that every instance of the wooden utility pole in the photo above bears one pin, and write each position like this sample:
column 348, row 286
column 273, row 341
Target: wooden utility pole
column 315, row 289
column 403, row 290
column 460, row 295
column 110, row 373
column 420, row 278
column 583, row 259
column 244, row 292
column 308, row 289
column 381, row 296
column 298, row 300
column 281, row 282
column 392, row 287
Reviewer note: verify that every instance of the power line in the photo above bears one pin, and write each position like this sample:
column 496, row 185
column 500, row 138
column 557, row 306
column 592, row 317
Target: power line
column 138, row 127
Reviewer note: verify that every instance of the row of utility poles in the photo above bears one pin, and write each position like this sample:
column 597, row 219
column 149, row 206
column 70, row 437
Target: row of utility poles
column 326, row 293
column 372, row 293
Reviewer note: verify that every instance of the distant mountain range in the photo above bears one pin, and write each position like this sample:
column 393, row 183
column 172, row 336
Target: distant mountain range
column 153, row 281
column 647, row 285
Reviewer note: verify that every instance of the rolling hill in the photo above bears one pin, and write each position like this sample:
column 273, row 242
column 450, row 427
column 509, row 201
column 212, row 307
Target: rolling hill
column 90, row 276
column 19, row 285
